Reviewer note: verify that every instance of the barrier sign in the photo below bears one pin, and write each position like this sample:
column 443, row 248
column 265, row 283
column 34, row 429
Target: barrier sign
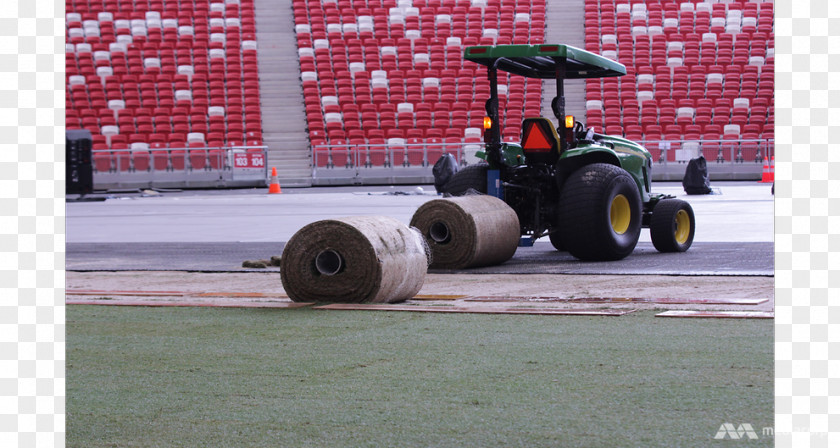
column 248, row 165
column 249, row 160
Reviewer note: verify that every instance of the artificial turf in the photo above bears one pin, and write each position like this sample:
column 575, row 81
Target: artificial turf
column 212, row 377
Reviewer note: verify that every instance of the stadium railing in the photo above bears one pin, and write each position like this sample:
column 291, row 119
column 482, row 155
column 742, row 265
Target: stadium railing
column 412, row 163
column 188, row 167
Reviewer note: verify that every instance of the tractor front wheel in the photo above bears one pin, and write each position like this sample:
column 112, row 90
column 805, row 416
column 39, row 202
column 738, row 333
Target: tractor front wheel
column 600, row 213
column 672, row 226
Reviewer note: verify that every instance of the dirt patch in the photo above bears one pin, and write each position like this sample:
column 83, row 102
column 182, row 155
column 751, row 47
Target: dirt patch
column 544, row 289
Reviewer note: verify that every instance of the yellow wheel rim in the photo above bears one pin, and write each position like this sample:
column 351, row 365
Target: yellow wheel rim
column 620, row 214
column 683, row 227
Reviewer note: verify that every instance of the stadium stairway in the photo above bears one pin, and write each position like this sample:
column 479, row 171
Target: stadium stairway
column 281, row 94
column 564, row 25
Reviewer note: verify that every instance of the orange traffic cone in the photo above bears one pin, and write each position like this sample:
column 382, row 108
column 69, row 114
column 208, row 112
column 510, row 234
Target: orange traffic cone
column 766, row 177
column 773, row 168
column 274, row 186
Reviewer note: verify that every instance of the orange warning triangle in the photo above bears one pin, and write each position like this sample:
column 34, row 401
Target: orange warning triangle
column 536, row 139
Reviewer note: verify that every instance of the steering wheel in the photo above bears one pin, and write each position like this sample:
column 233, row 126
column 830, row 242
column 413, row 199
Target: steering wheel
column 579, row 130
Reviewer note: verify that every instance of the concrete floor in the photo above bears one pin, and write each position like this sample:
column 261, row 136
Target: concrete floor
column 742, row 212
column 215, row 230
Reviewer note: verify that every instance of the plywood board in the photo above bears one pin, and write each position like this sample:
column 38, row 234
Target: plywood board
column 172, row 303
column 98, row 292
column 438, row 297
column 655, row 300
column 122, row 293
column 476, row 309
column 242, row 294
column 719, row 314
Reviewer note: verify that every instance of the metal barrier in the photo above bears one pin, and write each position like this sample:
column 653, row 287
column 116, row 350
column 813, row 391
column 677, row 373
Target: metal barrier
column 384, row 163
column 412, row 163
column 180, row 167
column 714, row 151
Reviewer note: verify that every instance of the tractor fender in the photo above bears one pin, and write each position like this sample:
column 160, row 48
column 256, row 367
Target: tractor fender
column 574, row 158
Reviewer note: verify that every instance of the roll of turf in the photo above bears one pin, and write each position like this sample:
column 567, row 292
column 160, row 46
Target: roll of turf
column 468, row 231
column 358, row 259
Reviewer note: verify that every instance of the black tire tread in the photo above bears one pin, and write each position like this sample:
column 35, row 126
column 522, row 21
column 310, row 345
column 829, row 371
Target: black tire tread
column 662, row 225
column 582, row 233
column 469, row 177
column 557, row 241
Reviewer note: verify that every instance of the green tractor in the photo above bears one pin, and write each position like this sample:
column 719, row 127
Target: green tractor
column 589, row 193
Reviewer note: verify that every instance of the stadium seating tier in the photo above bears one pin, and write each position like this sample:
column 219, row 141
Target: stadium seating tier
column 182, row 74
column 395, row 67
column 171, row 74
column 694, row 68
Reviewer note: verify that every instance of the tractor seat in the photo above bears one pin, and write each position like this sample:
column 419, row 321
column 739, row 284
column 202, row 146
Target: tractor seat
column 540, row 141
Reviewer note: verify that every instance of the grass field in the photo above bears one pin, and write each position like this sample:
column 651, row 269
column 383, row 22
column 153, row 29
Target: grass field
column 205, row 377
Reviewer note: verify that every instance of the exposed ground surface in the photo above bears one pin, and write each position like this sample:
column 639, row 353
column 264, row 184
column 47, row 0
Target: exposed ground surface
column 503, row 287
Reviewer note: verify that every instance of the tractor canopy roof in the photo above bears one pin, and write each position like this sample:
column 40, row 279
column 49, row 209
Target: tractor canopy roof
column 542, row 61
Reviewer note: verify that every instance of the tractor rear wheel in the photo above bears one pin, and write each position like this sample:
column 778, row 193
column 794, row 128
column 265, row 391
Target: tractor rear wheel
column 672, row 226
column 470, row 177
column 600, row 213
